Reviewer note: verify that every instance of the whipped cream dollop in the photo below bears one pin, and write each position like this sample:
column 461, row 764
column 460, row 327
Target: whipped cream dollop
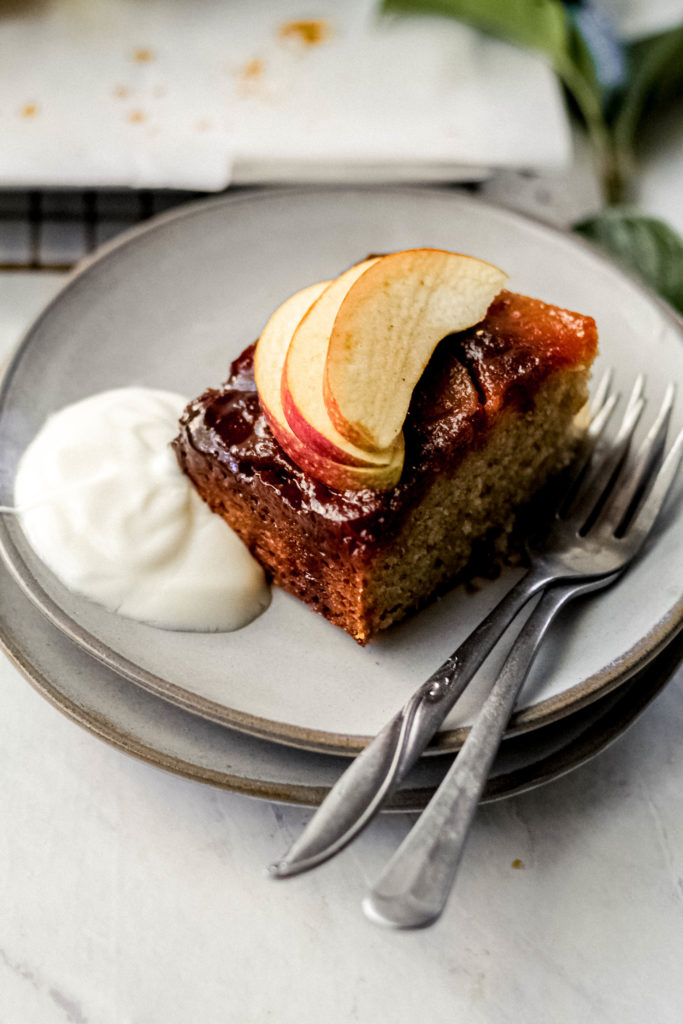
column 104, row 504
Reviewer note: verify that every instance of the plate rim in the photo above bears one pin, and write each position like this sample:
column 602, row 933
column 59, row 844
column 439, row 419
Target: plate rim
column 598, row 735
column 533, row 716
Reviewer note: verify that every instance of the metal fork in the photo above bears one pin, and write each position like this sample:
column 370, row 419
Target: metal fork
column 597, row 540
column 368, row 782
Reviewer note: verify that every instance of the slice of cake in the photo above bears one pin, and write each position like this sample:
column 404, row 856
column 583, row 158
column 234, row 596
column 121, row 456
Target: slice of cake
column 491, row 418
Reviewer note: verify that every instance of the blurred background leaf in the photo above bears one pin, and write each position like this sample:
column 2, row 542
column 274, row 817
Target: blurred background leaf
column 642, row 244
column 537, row 24
column 655, row 79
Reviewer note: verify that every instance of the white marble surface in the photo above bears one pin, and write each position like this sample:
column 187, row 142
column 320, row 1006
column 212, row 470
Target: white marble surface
column 129, row 896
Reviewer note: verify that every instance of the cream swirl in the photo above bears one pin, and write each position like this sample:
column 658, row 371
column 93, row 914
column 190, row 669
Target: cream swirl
column 104, row 504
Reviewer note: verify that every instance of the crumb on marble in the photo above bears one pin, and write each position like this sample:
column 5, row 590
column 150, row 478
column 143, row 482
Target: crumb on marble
column 253, row 69
column 143, row 55
column 308, row 32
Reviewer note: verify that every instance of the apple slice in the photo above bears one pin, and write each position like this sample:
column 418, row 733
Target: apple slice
column 388, row 324
column 302, row 381
column 269, row 358
column 271, row 349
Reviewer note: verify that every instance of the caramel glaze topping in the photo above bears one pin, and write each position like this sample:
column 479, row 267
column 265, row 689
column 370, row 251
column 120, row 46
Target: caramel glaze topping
column 470, row 378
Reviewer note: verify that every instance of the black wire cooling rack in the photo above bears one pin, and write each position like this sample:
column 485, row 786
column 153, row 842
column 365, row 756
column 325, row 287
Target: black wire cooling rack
column 53, row 230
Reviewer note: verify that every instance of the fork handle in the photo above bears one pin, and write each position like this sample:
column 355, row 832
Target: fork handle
column 414, row 887
column 366, row 785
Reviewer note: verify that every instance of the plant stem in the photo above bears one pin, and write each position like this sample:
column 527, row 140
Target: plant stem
column 613, row 165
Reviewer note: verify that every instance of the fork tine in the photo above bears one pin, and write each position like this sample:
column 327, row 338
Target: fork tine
column 637, row 391
column 606, row 463
column 600, row 409
column 634, row 480
column 601, row 392
column 642, row 522
column 601, row 418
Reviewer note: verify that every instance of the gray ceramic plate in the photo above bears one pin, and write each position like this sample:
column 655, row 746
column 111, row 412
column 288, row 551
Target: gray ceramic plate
column 152, row 729
column 170, row 305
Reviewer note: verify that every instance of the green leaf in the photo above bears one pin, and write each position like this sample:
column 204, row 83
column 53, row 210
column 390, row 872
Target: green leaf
column 537, row 24
column 644, row 244
column 655, row 75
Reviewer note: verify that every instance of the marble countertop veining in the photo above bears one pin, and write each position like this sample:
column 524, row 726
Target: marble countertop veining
column 131, row 896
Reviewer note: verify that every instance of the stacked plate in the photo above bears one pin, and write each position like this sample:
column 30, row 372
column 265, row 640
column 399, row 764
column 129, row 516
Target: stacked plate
column 276, row 708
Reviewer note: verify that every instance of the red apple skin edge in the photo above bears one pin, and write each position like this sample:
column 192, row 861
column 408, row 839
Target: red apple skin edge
column 322, row 445
column 336, row 475
column 302, row 371
column 268, row 364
